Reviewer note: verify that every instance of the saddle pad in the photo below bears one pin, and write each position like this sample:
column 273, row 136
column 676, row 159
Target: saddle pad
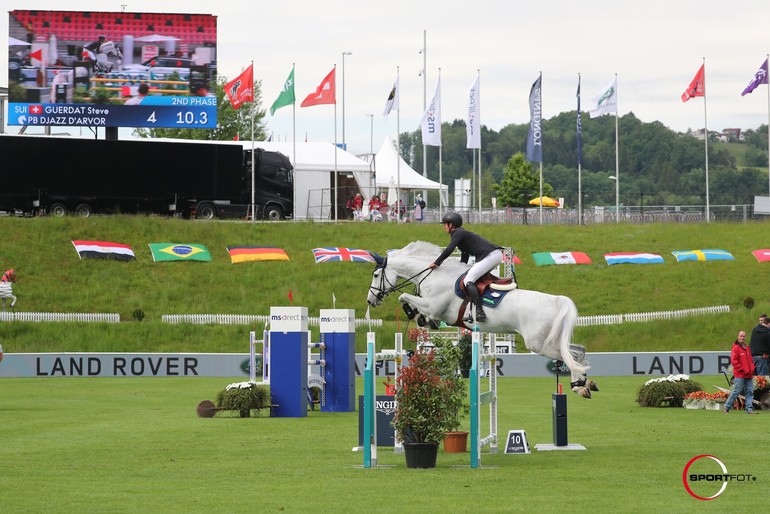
column 490, row 298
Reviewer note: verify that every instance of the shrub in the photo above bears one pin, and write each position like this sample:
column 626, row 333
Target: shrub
column 667, row 391
column 244, row 397
column 748, row 302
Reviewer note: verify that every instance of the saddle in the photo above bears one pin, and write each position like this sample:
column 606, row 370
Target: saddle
column 491, row 289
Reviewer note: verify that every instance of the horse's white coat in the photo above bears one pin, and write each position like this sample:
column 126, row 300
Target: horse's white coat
column 545, row 321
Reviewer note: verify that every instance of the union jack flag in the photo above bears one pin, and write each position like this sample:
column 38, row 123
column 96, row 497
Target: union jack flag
column 341, row 254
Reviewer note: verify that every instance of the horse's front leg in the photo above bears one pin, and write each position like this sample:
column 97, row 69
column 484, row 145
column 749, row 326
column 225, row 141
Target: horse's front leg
column 414, row 303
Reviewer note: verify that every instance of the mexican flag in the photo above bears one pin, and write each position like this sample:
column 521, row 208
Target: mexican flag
column 549, row 258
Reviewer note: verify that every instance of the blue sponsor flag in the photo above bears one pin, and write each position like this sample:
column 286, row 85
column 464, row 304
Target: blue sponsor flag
column 535, row 135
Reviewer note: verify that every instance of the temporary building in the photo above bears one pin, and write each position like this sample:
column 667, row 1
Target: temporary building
column 314, row 183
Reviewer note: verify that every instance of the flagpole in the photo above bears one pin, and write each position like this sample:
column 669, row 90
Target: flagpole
column 336, row 191
column 768, row 126
column 398, row 148
column 294, row 148
column 580, row 159
column 617, row 157
column 706, row 140
column 253, row 158
column 478, row 93
column 441, row 164
column 541, row 157
column 424, row 104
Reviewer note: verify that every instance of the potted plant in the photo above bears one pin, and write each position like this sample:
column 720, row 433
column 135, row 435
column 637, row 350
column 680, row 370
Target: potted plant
column 451, row 358
column 244, row 397
column 423, row 395
column 466, row 358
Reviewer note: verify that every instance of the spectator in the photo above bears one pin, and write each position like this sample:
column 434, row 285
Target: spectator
column 136, row 100
column 419, row 205
column 760, row 346
column 743, row 375
column 374, row 208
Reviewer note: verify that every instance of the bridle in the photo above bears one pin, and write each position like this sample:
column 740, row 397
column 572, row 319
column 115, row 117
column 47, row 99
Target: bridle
column 385, row 287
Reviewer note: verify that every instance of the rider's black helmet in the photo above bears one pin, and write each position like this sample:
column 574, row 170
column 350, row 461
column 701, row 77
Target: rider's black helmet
column 101, row 37
column 452, row 217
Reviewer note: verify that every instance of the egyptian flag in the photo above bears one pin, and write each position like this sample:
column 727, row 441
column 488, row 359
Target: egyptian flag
column 256, row 253
column 103, row 250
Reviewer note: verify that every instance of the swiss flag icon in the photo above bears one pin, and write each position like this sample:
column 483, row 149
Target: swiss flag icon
column 36, row 109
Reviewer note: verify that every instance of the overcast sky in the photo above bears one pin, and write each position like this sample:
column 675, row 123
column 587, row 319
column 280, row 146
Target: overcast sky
column 655, row 47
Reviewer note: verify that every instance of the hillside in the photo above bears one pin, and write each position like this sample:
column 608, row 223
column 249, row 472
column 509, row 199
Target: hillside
column 51, row 278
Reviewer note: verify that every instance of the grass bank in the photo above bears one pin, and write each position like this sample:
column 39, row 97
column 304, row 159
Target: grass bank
column 53, row 279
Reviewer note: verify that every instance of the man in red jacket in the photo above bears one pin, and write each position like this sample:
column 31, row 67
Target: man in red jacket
column 743, row 373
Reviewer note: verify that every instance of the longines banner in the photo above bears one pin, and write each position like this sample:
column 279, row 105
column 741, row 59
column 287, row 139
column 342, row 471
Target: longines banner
column 652, row 364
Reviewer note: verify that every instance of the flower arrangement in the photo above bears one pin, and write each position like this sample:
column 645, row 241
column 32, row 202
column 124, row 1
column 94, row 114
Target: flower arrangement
column 244, row 397
column 417, row 335
column 704, row 400
column 423, row 395
column 760, row 382
column 666, row 391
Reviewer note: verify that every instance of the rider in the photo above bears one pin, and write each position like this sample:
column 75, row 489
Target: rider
column 488, row 256
column 9, row 276
column 95, row 45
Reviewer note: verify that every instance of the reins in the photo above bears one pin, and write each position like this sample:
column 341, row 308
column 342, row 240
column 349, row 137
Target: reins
column 382, row 291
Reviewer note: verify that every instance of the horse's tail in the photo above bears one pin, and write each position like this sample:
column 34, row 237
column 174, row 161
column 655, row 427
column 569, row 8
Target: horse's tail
column 563, row 327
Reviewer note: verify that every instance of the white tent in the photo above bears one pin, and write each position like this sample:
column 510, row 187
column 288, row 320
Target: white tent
column 389, row 165
column 314, row 175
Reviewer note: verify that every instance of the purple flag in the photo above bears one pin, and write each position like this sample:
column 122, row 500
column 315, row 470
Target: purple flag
column 760, row 77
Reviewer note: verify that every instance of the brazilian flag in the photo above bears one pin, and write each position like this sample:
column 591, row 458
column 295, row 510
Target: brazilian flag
column 179, row 252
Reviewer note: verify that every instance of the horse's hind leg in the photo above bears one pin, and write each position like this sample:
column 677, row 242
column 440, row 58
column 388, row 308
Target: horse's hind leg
column 13, row 302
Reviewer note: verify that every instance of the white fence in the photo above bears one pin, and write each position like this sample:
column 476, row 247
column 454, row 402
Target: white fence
column 617, row 319
column 246, row 319
column 98, row 317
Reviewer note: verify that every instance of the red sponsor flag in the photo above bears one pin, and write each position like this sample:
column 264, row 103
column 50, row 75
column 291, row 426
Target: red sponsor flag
column 698, row 85
column 37, row 54
column 241, row 89
column 325, row 93
column 291, row 297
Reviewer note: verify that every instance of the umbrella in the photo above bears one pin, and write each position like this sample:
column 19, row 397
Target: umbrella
column 547, row 201
column 12, row 41
column 156, row 38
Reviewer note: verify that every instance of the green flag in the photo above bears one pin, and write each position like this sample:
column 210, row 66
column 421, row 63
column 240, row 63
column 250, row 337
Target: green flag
column 287, row 94
column 179, row 252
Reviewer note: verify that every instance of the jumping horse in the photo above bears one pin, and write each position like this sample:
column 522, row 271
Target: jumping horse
column 546, row 322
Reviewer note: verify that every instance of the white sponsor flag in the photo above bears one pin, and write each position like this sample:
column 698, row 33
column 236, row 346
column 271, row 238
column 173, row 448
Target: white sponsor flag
column 606, row 101
column 392, row 102
column 473, row 126
column 431, row 119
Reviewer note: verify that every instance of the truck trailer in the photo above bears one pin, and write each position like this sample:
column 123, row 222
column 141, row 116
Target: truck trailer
column 57, row 175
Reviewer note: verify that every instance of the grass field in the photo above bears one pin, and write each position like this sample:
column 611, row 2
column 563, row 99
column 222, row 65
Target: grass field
column 131, row 445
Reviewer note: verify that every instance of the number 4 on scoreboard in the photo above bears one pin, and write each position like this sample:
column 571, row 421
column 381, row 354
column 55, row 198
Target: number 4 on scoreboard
column 517, row 442
column 152, row 118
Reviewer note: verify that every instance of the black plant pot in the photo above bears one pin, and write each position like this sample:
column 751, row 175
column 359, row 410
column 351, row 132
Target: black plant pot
column 420, row 455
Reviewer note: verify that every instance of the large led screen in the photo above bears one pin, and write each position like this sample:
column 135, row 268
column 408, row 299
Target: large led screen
column 112, row 69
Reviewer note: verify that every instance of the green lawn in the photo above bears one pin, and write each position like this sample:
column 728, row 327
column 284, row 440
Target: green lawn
column 130, row 445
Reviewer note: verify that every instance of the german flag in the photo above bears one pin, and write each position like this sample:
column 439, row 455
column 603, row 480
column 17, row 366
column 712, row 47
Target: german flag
column 256, row 253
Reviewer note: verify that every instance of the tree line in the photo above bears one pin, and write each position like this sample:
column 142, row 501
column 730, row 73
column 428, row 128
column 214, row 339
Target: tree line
column 657, row 165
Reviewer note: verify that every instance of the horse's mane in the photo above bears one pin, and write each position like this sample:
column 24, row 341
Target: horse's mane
column 420, row 249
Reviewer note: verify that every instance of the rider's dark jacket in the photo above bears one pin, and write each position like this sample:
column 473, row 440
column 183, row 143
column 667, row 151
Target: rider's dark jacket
column 469, row 244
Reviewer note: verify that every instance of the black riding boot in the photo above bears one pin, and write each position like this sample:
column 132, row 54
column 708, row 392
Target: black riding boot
column 473, row 292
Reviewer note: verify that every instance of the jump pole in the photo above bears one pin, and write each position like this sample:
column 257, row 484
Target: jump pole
column 478, row 398
column 370, row 390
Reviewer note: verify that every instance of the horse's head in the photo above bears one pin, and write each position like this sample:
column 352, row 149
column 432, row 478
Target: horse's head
column 382, row 283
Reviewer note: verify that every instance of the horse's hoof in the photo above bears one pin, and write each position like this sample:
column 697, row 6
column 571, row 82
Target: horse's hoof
column 582, row 391
column 410, row 313
column 433, row 325
column 592, row 385
column 421, row 322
